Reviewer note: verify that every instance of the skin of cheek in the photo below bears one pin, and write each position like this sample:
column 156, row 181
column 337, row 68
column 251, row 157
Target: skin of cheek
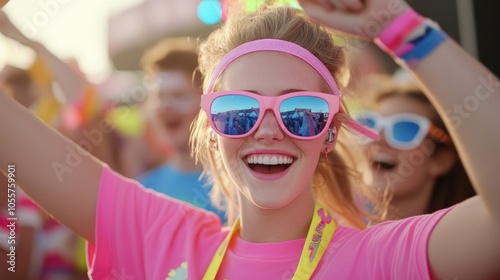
column 414, row 175
column 181, row 136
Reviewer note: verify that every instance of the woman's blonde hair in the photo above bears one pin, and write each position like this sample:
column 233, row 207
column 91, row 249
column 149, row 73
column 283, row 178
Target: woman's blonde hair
column 333, row 179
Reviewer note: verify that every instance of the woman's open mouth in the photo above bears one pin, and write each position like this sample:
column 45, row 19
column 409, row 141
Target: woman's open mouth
column 268, row 163
column 379, row 165
column 382, row 162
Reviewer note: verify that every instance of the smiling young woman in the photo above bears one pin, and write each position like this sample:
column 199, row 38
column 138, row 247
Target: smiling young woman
column 297, row 221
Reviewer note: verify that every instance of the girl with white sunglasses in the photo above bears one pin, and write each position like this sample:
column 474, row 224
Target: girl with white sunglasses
column 413, row 162
column 297, row 218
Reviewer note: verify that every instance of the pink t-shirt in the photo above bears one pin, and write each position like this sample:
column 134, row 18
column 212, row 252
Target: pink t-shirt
column 144, row 235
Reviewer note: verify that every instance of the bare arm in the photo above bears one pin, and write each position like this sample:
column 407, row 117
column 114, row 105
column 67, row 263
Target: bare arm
column 467, row 95
column 71, row 83
column 465, row 243
column 53, row 171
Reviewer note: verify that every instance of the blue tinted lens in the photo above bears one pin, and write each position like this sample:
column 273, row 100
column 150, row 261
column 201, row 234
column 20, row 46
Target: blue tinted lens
column 304, row 115
column 405, row 131
column 234, row 114
column 366, row 121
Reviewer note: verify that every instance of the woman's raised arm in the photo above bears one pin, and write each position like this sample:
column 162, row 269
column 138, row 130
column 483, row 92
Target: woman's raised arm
column 56, row 173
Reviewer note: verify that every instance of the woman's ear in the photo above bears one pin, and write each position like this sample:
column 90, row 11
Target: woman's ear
column 330, row 140
column 442, row 161
column 331, row 135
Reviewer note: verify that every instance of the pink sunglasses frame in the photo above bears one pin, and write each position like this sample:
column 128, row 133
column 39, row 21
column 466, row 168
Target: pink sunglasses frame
column 271, row 103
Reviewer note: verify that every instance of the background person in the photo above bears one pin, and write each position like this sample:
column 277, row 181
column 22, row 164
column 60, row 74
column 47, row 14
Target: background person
column 414, row 160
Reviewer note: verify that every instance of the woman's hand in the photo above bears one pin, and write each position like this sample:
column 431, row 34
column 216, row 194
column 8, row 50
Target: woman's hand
column 4, row 20
column 3, row 2
column 365, row 18
column 8, row 29
column 5, row 23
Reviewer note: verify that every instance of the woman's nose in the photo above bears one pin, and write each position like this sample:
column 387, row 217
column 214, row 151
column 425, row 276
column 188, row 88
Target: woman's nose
column 269, row 129
column 381, row 140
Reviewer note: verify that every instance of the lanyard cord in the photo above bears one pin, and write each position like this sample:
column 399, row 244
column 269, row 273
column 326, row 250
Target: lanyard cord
column 318, row 237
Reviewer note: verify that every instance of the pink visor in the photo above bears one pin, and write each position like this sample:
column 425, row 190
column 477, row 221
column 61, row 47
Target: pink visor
column 292, row 49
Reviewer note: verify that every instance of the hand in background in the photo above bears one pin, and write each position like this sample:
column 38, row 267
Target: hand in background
column 362, row 18
column 8, row 29
column 3, row 2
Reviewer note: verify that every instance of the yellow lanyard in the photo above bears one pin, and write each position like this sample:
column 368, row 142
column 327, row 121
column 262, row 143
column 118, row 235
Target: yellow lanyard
column 320, row 233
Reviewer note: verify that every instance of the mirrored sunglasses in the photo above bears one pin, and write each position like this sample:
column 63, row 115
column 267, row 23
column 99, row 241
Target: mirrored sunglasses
column 301, row 115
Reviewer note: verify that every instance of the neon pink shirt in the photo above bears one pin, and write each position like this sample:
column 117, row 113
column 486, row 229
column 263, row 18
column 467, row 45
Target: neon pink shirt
column 145, row 235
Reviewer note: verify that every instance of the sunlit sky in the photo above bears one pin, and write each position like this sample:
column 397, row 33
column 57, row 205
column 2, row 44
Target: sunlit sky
column 68, row 28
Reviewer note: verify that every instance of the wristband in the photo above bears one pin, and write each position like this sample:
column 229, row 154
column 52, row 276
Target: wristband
column 398, row 29
column 410, row 37
column 424, row 45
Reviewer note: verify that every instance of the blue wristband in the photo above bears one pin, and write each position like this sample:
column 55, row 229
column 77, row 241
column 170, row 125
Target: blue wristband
column 424, row 45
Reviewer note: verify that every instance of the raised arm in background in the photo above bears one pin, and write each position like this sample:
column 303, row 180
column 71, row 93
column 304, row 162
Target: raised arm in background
column 56, row 173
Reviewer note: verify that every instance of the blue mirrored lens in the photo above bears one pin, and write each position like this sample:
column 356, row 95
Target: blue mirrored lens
column 405, row 131
column 304, row 115
column 234, row 114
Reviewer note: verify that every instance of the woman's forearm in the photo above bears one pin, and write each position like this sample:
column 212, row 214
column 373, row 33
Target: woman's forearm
column 55, row 172
column 467, row 95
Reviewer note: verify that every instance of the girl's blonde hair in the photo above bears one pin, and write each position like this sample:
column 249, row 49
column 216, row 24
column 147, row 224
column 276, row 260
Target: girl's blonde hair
column 333, row 179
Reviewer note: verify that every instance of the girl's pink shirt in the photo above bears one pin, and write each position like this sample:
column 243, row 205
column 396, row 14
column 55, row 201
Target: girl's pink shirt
column 141, row 234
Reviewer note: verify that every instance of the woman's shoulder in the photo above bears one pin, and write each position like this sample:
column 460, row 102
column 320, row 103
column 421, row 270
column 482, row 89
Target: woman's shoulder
column 389, row 250
column 394, row 228
column 128, row 195
column 156, row 228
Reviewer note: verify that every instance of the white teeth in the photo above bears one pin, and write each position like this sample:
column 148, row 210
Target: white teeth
column 266, row 160
column 274, row 160
column 383, row 157
column 269, row 159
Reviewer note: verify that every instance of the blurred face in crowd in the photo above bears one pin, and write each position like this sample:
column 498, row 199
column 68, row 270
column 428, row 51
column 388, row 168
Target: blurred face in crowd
column 19, row 85
column 176, row 103
column 405, row 172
